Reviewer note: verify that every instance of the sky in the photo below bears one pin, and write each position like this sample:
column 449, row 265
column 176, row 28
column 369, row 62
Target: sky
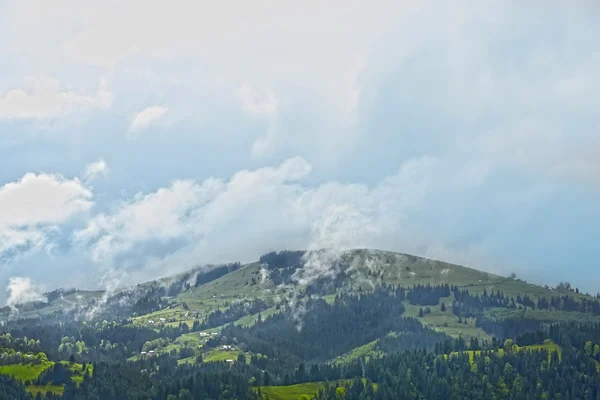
column 142, row 138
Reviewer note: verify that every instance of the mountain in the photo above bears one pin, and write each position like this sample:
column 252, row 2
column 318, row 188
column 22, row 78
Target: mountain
column 280, row 275
column 293, row 320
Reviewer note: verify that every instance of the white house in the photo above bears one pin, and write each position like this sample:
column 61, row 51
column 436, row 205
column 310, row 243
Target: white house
column 151, row 322
column 162, row 320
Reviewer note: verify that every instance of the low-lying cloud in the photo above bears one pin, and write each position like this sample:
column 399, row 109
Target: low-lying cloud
column 22, row 290
column 34, row 206
column 253, row 212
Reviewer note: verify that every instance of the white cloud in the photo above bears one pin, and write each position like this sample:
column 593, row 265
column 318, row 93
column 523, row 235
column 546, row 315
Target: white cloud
column 22, row 290
column 146, row 117
column 45, row 99
column 253, row 212
column 32, row 206
column 39, row 199
column 94, row 170
column 186, row 210
column 156, row 216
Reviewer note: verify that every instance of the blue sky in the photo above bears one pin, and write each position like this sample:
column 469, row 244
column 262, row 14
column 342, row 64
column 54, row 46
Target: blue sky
column 143, row 138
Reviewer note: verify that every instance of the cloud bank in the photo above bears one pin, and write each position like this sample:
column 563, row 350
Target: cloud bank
column 22, row 290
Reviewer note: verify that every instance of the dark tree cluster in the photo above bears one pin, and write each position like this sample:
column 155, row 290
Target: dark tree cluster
column 11, row 389
column 467, row 304
column 427, row 295
column 569, row 303
column 282, row 259
column 519, row 375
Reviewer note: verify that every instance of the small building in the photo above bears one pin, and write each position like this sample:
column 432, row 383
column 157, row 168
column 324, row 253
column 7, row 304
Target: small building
column 143, row 353
column 203, row 334
column 152, row 353
column 162, row 320
column 229, row 361
column 151, row 322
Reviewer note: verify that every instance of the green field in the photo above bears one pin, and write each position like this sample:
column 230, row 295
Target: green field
column 221, row 355
column 293, row 392
column 25, row 372
column 365, row 351
column 233, row 286
column 54, row 389
column 78, row 373
column 548, row 345
column 446, row 321
column 189, row 360
column 250, row 320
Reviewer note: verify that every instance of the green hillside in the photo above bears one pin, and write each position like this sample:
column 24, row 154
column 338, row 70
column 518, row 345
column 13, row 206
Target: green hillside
column 295, row 325
column 366, row 269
